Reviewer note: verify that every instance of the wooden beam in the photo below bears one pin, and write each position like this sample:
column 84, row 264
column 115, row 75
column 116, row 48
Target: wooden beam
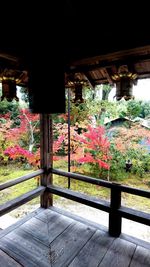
column 90, row 80
column 106, row 74
column 17, row 202
column 107, row 184
column 134, row 191
column 108, row 63
column 46, row 152
column 83, row 178
column 135, row 215
column 101, row 80
column 81, row 198
column 21, row 179
column 139, row 52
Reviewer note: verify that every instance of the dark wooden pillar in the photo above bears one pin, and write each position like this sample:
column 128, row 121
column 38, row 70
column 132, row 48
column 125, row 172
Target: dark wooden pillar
column 46, row 153
column 115, row 219
column 69, row 154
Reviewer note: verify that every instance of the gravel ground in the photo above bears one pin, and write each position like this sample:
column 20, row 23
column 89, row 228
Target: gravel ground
column 128, row 227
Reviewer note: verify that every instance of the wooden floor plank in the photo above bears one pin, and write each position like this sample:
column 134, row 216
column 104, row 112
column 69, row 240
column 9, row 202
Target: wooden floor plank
column 25, row 249
column 49, row 238
column 20, row 222
column 135, row 240
column 119, row 254
column 79, row 218
column 63, row 248
column 50, row 228
column 94, row 250
column 7, row 261
column 47, row 215
column 141, row 258
column 9, row 248
column 66, row 246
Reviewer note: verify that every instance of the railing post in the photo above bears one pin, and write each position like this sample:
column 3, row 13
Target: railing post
column 115, row 219
column 46, row 152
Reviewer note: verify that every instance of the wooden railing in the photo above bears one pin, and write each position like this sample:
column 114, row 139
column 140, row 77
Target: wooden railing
column 17, row 202
column 113, row 207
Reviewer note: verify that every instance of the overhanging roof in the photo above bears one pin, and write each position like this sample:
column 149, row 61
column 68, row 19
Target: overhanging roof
column 100, row 37
column 94, row 38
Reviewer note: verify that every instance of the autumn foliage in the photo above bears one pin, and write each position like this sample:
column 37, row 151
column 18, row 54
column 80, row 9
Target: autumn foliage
column 96, row 147
column 126, row 139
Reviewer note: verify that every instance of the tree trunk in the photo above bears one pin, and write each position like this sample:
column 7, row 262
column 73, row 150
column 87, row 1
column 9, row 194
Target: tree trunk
column 105, row 91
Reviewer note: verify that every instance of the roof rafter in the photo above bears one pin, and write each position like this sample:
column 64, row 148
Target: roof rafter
column 106, row 74
column 108, row 63
column 90, row 80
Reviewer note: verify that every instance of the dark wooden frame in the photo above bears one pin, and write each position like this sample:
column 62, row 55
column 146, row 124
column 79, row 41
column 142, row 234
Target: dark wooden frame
column 46, row 156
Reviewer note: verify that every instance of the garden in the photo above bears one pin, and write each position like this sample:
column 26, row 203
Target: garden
column 104, row 135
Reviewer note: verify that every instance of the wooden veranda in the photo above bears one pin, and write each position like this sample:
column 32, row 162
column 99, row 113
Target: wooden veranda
column 51, row 237
column 48, row 236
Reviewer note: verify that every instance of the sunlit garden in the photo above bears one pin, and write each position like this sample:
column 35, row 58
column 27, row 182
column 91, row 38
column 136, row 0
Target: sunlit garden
column 104, row 136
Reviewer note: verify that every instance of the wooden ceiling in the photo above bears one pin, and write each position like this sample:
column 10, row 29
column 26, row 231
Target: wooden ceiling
column 90, row 39
column 100, row 69
column 102, row 37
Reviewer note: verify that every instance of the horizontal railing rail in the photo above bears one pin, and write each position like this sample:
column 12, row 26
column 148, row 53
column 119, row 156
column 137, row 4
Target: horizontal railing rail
column 81, row 177
column 114, row 208
column 135, row 215
column 79, row 197
column 17, row 202
column 21, row 179
column 87, row 179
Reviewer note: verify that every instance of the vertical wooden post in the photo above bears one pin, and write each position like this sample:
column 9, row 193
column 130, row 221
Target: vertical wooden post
column 46, row 152
column 115, row 219
column 68, row 136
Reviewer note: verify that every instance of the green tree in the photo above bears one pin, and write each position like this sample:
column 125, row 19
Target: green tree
column 106, row 89
column 145, row 109
column 134, row 108
column 24, row 94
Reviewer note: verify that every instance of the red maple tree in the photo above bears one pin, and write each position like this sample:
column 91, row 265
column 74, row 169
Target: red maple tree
column 96, row 147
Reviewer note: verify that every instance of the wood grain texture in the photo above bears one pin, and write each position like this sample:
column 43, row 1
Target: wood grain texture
column 25, row 249
column 20, row 222
column 79, row 218
column 46, row 157
column 67, row 245
column 52, row 239
column 7, row 261
column 135, row 240
column 119, row 254
column 47, row 215
column 94, row 250
column 141, row 257
column 51, row 227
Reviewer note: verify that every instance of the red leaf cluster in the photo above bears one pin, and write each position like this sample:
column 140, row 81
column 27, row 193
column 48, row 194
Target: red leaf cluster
column 96, row 147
